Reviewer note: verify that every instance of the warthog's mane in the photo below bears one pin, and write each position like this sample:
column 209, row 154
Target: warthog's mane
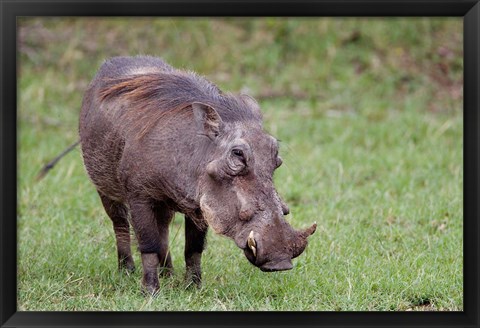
column 153, row 95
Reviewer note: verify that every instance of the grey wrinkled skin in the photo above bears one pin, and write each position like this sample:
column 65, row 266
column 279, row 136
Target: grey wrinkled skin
column 156, row 140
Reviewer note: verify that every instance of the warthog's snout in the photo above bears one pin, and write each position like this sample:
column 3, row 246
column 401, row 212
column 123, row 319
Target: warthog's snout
column 271, row 254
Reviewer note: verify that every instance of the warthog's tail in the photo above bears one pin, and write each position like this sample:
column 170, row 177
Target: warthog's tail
column 54, row 161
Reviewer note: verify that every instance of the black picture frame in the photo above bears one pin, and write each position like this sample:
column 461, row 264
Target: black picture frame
column 10, row 10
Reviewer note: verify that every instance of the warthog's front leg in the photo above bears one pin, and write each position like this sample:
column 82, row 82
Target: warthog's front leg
column 194, row 245
column 145, row 226
column 164, row 216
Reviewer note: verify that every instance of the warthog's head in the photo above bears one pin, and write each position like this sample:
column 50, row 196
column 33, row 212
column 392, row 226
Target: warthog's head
column 237, row 195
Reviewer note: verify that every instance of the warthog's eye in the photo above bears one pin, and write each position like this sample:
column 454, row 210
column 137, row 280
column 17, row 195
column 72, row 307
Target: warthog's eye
column 237, row 152
column 238, row 157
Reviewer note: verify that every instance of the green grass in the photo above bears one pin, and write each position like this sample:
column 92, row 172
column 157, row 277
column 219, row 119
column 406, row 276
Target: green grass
column 369, row 114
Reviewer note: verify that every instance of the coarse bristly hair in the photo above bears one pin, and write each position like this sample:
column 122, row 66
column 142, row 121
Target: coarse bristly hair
column 153, row 94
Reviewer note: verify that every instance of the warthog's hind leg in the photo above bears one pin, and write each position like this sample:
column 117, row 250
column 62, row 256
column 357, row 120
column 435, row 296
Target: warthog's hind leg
column 118, row 213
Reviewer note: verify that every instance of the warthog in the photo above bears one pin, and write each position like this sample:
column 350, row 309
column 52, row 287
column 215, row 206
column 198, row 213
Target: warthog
column 158, row 140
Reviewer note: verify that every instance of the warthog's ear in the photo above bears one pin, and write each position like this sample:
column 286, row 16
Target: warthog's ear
column 207, row 120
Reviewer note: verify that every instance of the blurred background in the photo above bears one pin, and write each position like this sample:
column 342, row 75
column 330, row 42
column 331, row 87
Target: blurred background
column 369, row 114
column 329, row 63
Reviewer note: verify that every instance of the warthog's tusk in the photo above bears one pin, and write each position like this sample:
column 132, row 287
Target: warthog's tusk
column 252, row 244
column 254, row 250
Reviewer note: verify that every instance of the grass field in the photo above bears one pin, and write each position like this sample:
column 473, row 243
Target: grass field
column 369, row 114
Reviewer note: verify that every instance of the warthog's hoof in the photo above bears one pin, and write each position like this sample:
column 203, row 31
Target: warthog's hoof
column 150, row 285
column 127, row 267
column 193, row 279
